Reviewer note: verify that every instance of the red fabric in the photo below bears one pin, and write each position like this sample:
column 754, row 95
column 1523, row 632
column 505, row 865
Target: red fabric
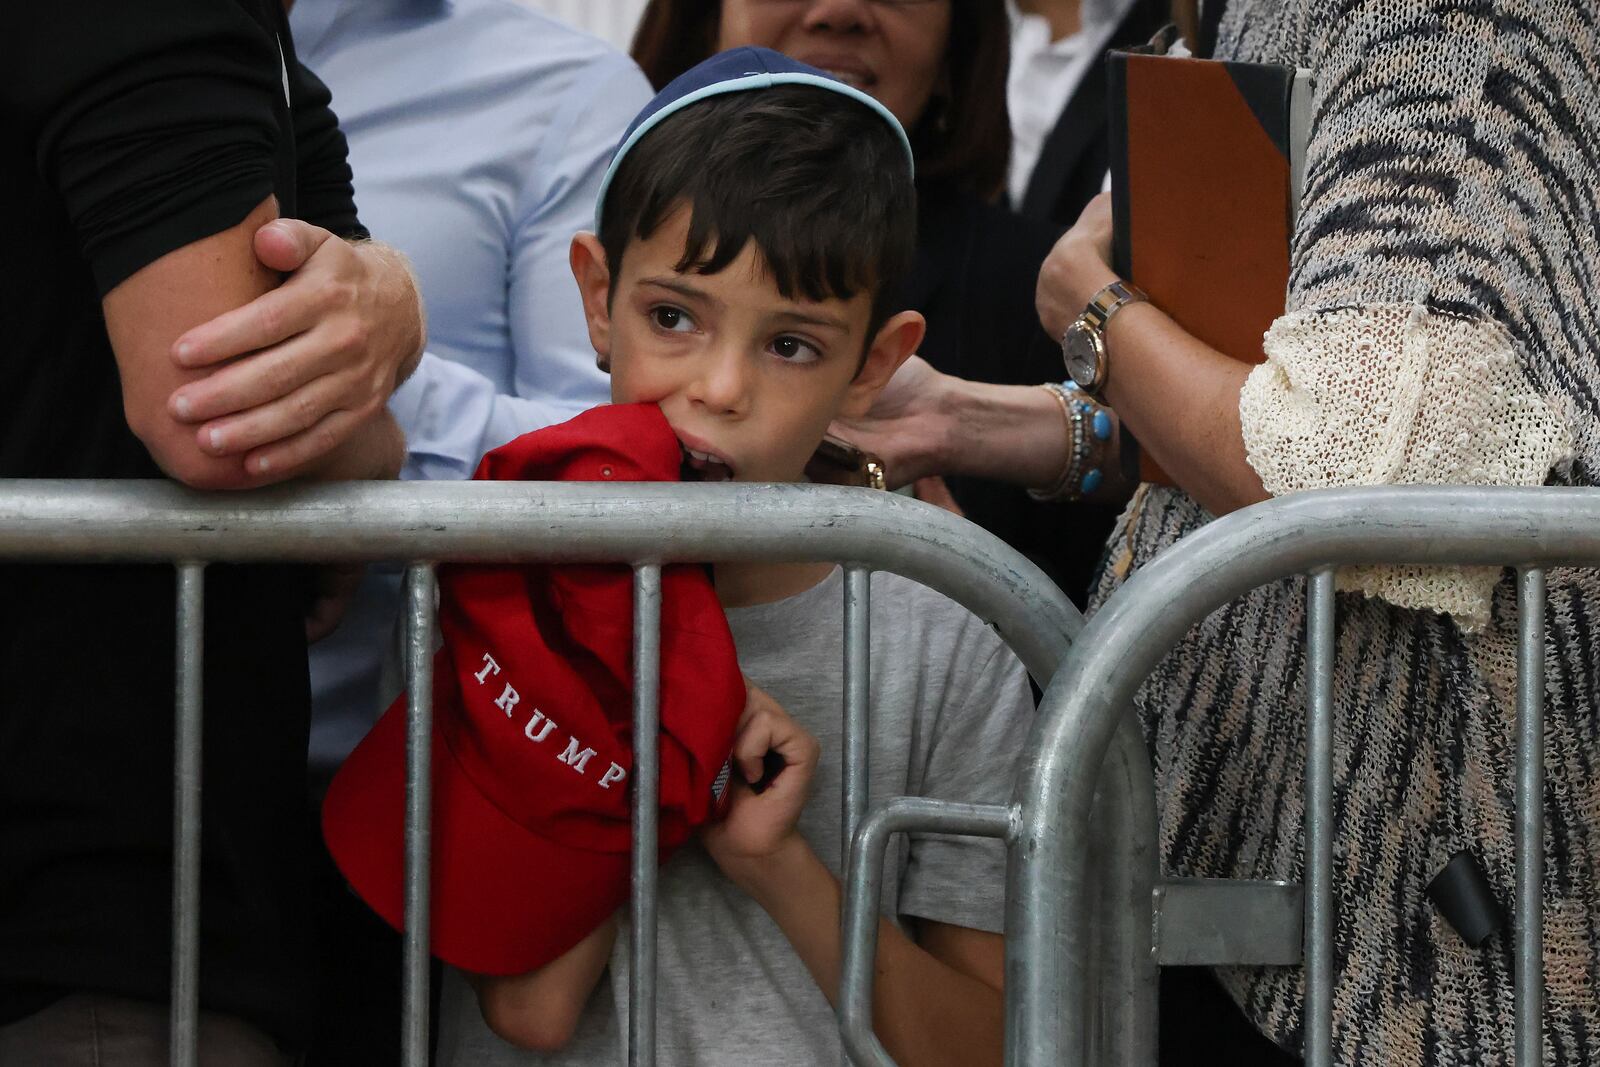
column 532, row 764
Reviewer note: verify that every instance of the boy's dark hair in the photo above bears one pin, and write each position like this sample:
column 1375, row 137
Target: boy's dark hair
column 820, row 182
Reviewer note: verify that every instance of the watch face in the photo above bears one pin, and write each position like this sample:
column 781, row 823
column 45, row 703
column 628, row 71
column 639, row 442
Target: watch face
column 1082, row 350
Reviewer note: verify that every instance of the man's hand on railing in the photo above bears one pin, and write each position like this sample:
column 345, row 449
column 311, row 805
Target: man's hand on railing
column 300, row 368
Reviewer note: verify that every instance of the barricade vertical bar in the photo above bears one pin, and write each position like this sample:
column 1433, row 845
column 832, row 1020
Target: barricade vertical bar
column 646, row 792
column 420, row 586
column 1126, row 978
column 1318, row 1023
column 857, row 693
column 1530, row 818
column 190, row 688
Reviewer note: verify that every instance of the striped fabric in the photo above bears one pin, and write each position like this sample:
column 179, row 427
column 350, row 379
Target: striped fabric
column 1455, row 165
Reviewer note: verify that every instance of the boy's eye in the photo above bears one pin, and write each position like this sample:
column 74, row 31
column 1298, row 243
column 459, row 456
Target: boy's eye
column 670, row 318
column 793, row 350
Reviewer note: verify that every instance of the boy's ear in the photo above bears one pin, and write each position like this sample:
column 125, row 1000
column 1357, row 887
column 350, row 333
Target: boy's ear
column 588, row 259
column 895, row 342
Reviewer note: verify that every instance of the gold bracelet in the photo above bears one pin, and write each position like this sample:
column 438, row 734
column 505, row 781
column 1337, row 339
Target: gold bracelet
column 1066, row 481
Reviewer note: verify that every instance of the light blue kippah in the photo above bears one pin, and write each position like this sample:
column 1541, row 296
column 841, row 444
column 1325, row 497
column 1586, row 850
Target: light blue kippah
column 734, row 71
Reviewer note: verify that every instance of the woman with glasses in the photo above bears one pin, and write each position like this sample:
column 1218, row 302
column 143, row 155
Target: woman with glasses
column 940, row 66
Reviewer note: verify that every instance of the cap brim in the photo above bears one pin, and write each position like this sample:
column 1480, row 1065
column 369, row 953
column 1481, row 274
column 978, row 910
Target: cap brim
column 505, row 900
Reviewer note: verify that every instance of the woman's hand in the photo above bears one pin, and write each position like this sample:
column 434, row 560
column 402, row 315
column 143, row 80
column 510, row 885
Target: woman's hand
column 310, row 361
column 760, row 826
column 908, row 427
column 1076, row 268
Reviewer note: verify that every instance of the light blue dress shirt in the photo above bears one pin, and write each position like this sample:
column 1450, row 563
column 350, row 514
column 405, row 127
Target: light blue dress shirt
column 479, row 131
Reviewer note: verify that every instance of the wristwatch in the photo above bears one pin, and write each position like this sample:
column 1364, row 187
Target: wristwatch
column 1083, row 346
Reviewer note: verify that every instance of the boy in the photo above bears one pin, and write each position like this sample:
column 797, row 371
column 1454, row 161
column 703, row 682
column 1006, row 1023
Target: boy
column 748, row 239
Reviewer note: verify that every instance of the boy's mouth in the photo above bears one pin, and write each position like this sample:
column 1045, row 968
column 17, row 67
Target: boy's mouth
column 704, row 466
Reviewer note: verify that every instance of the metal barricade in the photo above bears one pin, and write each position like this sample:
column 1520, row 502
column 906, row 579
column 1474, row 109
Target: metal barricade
column 645, row 526
column 1083, row 941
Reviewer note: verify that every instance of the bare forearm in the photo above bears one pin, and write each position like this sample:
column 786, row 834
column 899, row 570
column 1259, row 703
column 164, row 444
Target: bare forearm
column 540, row 1010
column 1180, row 398
column 1011, row 433
column 927, row 1013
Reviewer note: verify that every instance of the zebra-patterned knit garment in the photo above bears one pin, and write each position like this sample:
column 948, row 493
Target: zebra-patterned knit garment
column 1444, row 327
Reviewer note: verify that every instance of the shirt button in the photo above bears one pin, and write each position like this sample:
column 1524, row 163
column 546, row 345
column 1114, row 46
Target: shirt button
column 605, row 472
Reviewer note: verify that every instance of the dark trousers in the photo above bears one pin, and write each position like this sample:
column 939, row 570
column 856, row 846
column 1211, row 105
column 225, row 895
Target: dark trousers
column 98, row 1030
column 1201, row 1026
column 358, row 975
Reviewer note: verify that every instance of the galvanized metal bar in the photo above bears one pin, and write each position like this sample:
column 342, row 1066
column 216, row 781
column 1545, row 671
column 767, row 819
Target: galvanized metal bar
column 554, row 522
column 153, row 521
column 1214, row 921
column 864, row 888
column 857, row 697
column 182, row 1049
column 1126, row 981
column 1318, row 1020
column 646, row 798
column 421, row 588
column 1530, row 818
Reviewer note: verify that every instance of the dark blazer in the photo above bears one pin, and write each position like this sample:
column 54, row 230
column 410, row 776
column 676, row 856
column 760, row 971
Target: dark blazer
column 974, row 277
column 1073, row 161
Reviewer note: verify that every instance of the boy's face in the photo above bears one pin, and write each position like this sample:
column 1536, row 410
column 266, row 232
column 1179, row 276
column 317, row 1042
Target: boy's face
column 749, row 379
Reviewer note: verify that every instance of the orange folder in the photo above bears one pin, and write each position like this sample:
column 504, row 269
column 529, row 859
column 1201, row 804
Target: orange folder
column 1205, row 165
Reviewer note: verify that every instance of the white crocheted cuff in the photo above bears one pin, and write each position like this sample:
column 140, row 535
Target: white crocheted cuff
column 1395, row 394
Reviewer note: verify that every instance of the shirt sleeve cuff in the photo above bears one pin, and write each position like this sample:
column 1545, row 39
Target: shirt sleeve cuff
column 1399, row 394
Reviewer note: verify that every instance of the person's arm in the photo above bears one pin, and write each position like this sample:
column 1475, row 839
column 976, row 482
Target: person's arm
column 928, row 423
column 540, row 1010
column 158, row 302
column 302, row 368
column 937, row 1000
column 1178, row 396
column 314, row 356
column 453, row 414
column 934, row 1003
column 294, row 371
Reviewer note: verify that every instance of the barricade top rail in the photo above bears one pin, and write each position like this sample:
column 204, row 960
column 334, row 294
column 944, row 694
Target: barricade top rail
column 559, row 522
column 1429, row 525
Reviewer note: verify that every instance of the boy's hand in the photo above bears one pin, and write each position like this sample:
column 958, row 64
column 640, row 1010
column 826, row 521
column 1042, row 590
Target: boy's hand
column 760, row 826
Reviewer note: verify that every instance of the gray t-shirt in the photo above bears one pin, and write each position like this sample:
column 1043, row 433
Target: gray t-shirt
column 950, row 713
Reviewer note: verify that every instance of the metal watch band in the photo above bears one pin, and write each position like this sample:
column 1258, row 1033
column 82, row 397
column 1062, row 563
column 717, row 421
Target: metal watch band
column 1111, row 299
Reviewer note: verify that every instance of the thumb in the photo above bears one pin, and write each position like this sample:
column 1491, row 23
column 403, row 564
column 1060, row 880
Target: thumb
column 285, row 244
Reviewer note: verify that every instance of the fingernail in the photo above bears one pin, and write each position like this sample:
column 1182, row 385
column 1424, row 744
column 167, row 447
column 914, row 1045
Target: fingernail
column 216, row 440
column 184, row 349
column 263, row 465
column 180, row 404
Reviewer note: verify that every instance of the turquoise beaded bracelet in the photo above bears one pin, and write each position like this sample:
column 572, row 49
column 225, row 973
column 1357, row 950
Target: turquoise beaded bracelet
column 1085, row 419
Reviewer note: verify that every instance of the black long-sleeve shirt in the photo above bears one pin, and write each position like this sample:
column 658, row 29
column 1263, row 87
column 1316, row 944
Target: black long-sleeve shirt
column 131, row 130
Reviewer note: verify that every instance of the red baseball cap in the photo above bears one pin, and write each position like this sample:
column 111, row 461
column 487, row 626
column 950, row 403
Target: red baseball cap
column 532, row 738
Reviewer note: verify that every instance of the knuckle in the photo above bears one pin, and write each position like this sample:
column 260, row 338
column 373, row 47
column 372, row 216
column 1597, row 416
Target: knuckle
column 323, row 439
column 279, row 377
column 306, row 410
column 347, row 293
column 352, row 337
column 271, row 318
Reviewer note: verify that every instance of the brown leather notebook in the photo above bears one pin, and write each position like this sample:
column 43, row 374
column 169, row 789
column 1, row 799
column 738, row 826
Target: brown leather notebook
column 1205, row 165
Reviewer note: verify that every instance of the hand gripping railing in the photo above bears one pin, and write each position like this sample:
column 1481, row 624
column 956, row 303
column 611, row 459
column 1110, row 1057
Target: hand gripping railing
column 642, row 525
column 1055, row 1002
